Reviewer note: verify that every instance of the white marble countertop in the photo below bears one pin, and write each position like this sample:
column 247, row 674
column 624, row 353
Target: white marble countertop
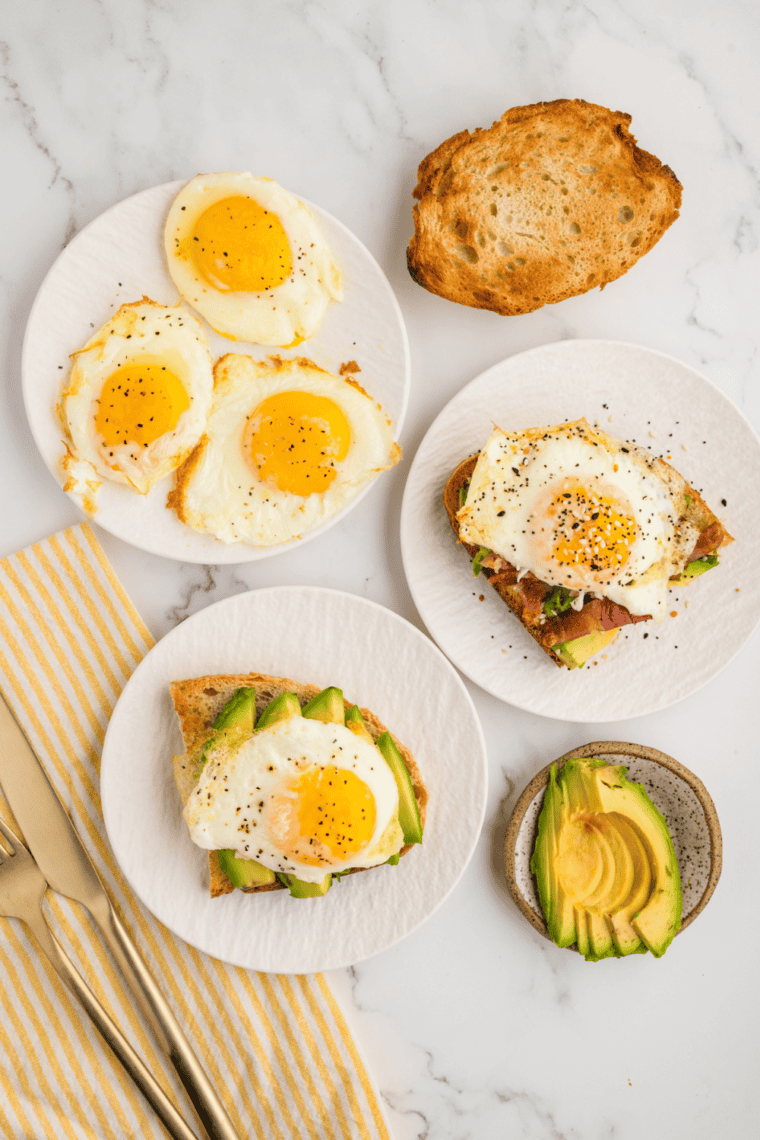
column 475, row 1027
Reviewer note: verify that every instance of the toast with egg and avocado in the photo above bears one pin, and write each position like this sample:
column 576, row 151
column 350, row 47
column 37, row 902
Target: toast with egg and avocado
column 571, row 625
column 552, row 200
column 219, row 714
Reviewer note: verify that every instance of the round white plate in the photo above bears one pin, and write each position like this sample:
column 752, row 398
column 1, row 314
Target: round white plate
column 119, row 257
column 633, row 393
column 327, row 638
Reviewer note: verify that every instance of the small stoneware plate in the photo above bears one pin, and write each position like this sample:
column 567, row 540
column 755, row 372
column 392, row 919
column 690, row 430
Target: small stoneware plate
column 325, row 637
column 675, row 791
column 634, row 394
column 119, row 257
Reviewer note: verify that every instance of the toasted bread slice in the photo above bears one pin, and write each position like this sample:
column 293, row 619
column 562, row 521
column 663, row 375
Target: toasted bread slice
column 199, row 701
column 551, row 201
column 526, row 597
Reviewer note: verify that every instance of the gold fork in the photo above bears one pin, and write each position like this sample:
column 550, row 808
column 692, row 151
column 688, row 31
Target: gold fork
column 22, row 887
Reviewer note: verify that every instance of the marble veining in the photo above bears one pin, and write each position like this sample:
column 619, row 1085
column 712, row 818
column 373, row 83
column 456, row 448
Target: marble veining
column 475, row 1027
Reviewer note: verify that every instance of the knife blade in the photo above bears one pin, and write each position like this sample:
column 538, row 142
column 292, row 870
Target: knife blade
column 52, row 839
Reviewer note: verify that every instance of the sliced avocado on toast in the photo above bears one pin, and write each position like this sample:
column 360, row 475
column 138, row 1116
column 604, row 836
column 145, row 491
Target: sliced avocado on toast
column 281, row 708
column 301, row 890
column 327, row 706
column 576, row 653
column 239, row 714
column 245, row 874
column 695, row 568
column 408, row 812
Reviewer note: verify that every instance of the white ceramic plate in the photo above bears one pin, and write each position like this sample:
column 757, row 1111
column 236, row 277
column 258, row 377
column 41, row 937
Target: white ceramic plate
column 328, row 638
column 633, row 393
column 119, row 257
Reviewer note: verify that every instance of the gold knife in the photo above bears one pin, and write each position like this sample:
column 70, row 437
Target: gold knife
column 50, row 836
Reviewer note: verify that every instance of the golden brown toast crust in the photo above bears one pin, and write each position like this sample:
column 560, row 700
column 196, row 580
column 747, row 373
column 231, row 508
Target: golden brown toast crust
column 198, row 702
column 551, row 201
column 550, row 632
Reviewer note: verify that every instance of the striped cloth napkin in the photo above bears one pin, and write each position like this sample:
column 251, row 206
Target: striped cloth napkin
column 276, row 1047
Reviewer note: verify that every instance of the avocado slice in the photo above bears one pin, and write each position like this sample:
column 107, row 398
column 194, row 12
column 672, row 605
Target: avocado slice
column 604, row 863
column 355, row 721
column 281, row 708
column 327, row 706
column 301, row 890
column 239, row 712
column 244, row 873
column 556, row 905
column 626, row 940
column 576, row 653
column 408, row 812
column 239, row 709
column 695, row 568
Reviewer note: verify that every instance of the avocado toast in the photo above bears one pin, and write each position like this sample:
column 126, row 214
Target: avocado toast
column 212, row 706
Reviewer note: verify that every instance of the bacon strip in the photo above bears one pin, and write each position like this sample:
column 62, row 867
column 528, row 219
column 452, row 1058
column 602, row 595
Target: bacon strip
column 709, row 541
column 598, row 614
column 530, row 595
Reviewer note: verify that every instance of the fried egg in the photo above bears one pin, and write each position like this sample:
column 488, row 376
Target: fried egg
column 136, row 399
column 299, row 796
column 582, row 510
column 287, row 446
column 251, row 258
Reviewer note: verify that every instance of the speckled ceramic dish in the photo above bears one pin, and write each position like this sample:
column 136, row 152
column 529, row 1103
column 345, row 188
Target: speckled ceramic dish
column 677, row 793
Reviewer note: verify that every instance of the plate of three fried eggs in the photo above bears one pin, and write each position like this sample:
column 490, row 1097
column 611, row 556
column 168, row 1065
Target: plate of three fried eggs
column 216, row 370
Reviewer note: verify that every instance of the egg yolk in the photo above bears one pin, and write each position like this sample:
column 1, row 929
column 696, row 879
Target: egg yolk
column 325, row 816
column 139, row 402
column 587, row 528
column 239, row 246
column 295, row 440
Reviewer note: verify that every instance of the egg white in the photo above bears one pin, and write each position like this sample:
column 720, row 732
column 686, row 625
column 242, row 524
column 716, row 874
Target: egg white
column 143, row 331
column 284, row 314
column 234, row 803
column 219, row 491
column 519, row 475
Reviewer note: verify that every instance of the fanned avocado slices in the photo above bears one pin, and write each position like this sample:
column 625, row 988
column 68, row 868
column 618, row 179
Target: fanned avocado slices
column 604, row 863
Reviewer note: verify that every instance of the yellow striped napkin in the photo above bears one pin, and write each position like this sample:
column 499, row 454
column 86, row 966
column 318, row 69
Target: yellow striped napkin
column 276, row 1047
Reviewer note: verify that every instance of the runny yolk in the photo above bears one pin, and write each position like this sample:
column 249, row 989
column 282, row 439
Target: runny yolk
column 139, row 402
column 336, row 810
column 237, row 245
column 590, row 528
column 295, row 441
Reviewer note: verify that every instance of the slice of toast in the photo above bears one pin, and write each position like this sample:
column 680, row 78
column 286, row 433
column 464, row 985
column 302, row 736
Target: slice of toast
column 551, row 201
column 199, row 701
column 525, row 597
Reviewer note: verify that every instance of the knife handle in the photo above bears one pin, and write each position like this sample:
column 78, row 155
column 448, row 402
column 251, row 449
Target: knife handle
column 164, row 1024
column 112, row 1035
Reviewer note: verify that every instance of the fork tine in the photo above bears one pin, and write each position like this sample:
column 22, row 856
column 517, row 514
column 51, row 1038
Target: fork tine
column 12, row 840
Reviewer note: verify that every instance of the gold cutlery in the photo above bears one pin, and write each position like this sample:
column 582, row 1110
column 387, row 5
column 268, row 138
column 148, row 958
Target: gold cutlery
column 22, row 887
column 64, row 863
